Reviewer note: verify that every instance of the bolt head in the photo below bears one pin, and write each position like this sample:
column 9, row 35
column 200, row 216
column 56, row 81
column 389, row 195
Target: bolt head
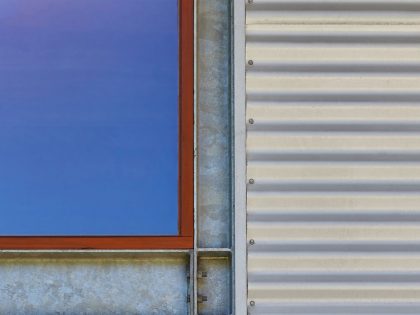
column 252, row 303
column 251, row 242
column 251, row 181
column 250, row 62
column 251, row 121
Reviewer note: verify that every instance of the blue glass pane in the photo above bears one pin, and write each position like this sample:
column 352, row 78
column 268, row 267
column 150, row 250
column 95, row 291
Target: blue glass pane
column 88, row 117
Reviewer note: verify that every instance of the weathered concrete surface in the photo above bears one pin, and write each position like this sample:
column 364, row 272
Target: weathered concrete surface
column 214, row 123
column 30, row 286
column 216, row 286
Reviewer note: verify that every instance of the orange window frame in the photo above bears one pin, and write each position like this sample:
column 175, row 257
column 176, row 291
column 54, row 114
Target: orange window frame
column 185, row 237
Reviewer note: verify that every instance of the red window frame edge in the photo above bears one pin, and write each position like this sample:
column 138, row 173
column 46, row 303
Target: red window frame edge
column 185, row 237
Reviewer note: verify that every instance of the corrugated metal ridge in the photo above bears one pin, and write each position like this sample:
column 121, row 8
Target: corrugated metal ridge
column 334, row 5
column 367, row 12
column 340, row 308
column 276, row 66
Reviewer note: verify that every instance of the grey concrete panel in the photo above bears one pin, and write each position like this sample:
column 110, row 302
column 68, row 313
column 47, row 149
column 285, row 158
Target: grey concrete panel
column 93, row 286
column 214, row 123
column 216, row 285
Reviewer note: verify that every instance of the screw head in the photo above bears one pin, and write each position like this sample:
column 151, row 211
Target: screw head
column 251, row 181
column 250, row 62
column 252, row 303
column 251, row 121
column 251, row 242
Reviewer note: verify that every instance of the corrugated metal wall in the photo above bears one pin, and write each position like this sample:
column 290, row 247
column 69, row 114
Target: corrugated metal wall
column 333, row 150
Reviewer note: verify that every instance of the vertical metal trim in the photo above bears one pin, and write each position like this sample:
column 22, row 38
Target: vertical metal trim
column 240, row 271
column 193, row 253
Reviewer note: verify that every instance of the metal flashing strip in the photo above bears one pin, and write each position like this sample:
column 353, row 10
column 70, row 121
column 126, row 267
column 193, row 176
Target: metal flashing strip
column 240, row 247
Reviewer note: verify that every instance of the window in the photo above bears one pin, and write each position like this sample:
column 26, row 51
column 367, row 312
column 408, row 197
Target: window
column 96, row 124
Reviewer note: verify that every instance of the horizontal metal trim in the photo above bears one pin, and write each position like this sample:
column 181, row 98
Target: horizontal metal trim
column 331, row 308
column 93, row 254
column 262, row 2
column 326, row 6
column 335, row 18
column 95, row 242
column 309, row 38
column 333, row 262
column 334, row 277
column 333, row 157
column 214, row 249
column 257, row 106
column 343, row 171
column 336, row 126
column 334, row 217
column 331, row 247
column 362, row 186
column 336, row 97
column 334, row 67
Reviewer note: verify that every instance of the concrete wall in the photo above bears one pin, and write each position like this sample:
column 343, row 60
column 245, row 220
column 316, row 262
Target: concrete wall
column 93, row 284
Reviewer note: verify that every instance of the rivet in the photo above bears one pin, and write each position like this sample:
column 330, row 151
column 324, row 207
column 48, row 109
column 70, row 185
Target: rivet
column 250, row 62
column 251, row 242
column 251, row 181
column 252, row 303
column 251, row 121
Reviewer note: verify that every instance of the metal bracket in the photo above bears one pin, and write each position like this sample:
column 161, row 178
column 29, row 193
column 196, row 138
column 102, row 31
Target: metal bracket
column 201, row 298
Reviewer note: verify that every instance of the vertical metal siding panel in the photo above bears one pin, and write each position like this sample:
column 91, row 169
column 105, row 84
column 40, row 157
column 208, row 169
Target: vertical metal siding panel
column 333, row 151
